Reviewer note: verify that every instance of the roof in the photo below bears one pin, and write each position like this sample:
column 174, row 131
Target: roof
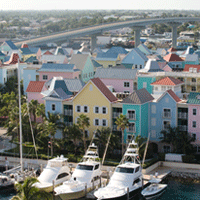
column 31, row 59
column 11, row 45
column 167, row 81
column 26, row 51
column 79, row 60
column 115, row 73
column 173, row 95
column 187, row 67
column 106, row 92
column 194, row 98
column 107, row 56
column 171, row 57
column 13, row 59
column 24, row 45
column 192, row 58
column 60, row 51
column 56, row 67
column 35, row 86
column 144, row 49
column 138, row 97
column 117, row 50
column 172, row 49
column 151, row 66
column 1, row 54
column 96, row 64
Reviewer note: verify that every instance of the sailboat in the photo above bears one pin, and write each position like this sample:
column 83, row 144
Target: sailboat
column 126, row 181
column 85, row 178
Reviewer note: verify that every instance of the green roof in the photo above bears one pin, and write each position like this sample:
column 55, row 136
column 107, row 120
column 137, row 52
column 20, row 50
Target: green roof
column 194, row 98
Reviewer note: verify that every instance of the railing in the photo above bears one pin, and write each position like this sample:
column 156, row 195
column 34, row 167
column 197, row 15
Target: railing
column 182, row 115
column 182, row 127
column 131, row 116
column 166, row 114
column 114, row 127
column 68, row 112
column 116, row 114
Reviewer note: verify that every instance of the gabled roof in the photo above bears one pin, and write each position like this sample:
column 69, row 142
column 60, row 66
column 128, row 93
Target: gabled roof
column 139, row 97
column 31, row 59
column 55, row 67
column 172, row 49
column 172, row 94
column 144, row 49
column 47, row 53
column 107, row 56
column 194, row 98
column 151, row 66
column 1, row 54
column 11, row 45
column 26, row 51
column 24, row 45
column 96, row 64
column 35, row 86
column 13, row 59
column 167, row 67
column 171, row 57
column 187, row 67
column 106, row 92
column 79, row 60
column 167, row 81
column 60, row 51
column 117, row 50
column 115, row 73
column 192, row 58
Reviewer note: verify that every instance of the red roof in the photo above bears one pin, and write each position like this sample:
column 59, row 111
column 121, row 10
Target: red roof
column 13, row 59
column 35, row 86
column 173, row 95
column 102, row 87
column 48, row 53
column 172, row 57
column 167, row 81
column 187, row 68
column 172, row 49
column 24, row 45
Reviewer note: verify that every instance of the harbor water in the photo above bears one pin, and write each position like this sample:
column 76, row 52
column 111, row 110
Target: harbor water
column 176, row 190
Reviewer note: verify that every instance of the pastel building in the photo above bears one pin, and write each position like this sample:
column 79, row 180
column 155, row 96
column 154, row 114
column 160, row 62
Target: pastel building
column 49, row 70
column 136, row 107
column 119, row 80
column 175, row 60
column 194, row 118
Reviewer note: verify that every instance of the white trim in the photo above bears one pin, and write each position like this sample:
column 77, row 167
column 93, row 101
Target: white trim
column 126, row 83
column 106, row 122
column 106, row 110
column 128, row 114
column 130, row 131
column 170, row 113
column 76, row 108
column 84, row 109
column 94, row 109
column 94, row 120
column 163, row 123
column 53, row 104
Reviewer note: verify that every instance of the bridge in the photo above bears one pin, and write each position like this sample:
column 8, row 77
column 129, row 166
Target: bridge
column 137, row 25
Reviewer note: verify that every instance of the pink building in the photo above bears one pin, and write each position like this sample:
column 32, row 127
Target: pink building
column 50, row 70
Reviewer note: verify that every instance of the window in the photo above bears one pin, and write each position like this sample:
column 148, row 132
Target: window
column 131, row 114
column 129, row 137
column 194, row 124
column 193, row 88
column 153, row 109
column 126, row 92
column 78, row 108
column 84, row 167
column 131, row 127
column 136, row 181
column 194, row 80
column 96, row 109
column 194, row 111
column 163, row 88
column 166, row 149
column 140, row 66
column 96, row 167
column 135, row 66
column 62, row 175
column 96, row 122
column 137, row 169
column 144, row 84
column 86, row 133
column 126, row 84
column 194, row 137
column 53, row 107
column 85, row 109
column 124, row 170
column 104, row 122
column 156, row 88
column 166, row 125
column 45, row 77
column 104, row 110
column 167, row 113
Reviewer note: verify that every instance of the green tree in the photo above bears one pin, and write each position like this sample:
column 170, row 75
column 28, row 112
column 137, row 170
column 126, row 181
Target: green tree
column 83, row 122
column 122, row 123
column 141, row 141
column 27, row 191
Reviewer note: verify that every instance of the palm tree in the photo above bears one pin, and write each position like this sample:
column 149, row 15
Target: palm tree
column 83, row 123
column 27, row 191
column 122, row 123
column 141, row 142
column 74, row 134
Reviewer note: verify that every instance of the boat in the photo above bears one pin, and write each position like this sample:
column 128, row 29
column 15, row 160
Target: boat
column 85, row 178
column 154, row 190
column 126, row 181
column 55, row 173
column 6, row 182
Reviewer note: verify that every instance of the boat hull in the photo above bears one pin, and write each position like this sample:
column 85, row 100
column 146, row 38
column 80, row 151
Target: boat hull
column 8, row 187
column 132, row 195
column 74, row 195
column 155, row 195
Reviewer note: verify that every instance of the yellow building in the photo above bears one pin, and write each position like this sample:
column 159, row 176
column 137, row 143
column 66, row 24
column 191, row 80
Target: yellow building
column 95, row 101
column 108, row 60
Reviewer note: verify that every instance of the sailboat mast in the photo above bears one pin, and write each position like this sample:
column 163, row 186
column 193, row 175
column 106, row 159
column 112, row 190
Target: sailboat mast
column 20, row 119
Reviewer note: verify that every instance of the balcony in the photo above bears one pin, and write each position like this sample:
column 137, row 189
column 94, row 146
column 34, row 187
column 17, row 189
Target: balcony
column 182, row 115
column 131, row 116
column 182, row 127
column 131, row 129
column 115, row 128
column 166, row 114
column 68, row 112
column 116, row 114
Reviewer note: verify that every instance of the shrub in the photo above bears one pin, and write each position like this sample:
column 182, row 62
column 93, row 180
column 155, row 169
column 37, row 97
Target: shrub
column 188, row 158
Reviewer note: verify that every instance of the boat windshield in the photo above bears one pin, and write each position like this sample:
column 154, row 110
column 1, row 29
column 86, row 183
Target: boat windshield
column 84, row 167
column 125, row 170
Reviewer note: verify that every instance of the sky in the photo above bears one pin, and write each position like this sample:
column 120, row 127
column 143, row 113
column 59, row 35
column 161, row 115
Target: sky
column 99, row 4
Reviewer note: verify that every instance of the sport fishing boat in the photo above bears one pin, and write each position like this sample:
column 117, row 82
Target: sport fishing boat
column 126, row 181
column 57, row 171
column 85, row 178
column 154, row 190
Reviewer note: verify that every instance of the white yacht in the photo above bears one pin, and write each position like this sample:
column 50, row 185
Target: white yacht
column 154, row 190
column 127, row 178
column 57, row 170
column 85, row 178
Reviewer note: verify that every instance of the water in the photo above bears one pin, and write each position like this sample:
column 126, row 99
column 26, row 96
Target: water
column 175, row 191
